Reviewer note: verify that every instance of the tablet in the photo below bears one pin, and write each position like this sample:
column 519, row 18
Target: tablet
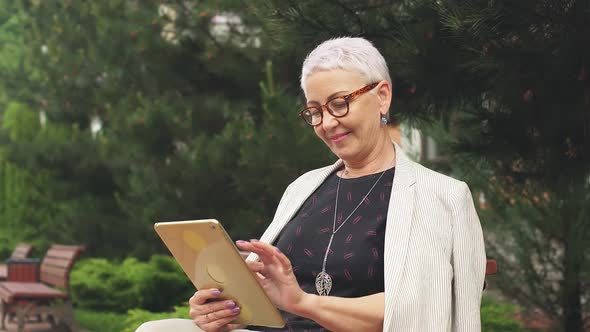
column 211, row 260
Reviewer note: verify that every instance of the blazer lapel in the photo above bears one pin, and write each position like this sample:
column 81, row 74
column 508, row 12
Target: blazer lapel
column 397, row 232
column 297, row 196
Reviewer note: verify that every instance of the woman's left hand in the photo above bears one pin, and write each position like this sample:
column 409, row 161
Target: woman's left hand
column 274, row 272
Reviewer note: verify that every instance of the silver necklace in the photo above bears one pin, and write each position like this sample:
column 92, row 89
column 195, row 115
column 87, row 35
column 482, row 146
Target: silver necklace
column 323, row 281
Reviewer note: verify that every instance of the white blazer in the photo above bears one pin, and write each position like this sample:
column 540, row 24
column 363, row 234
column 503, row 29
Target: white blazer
column 434, row 248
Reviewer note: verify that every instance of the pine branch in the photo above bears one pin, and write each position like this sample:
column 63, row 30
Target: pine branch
column 314, row 23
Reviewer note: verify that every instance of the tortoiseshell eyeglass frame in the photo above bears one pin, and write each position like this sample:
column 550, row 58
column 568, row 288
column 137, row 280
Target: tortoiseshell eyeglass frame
column 347, row 98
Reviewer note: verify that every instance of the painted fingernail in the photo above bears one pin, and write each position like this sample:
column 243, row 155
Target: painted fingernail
column 216, row 292
column 230, row 304
column 235, row 310
column 240, row 241
column 253, row 240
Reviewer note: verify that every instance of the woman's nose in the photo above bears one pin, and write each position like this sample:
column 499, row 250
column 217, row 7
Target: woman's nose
column 328, row 120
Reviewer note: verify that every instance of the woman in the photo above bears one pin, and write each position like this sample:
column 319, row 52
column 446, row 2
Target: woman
column 374, row 242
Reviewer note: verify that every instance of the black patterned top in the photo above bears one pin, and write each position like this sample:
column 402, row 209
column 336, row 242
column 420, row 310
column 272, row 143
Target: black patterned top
column 355, row 260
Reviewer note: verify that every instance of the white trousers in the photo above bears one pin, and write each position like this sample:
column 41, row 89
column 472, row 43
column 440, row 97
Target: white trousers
column 176, row 325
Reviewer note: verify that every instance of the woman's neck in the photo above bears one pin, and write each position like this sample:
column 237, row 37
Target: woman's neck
column 378, row 160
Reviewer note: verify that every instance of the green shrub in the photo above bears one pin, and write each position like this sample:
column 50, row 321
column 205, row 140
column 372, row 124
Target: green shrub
column 5, row 253
column 149, row 291
column 499, row 317
column 136, row 317
column 168, row 287
column 101, row 285
column 100, row 321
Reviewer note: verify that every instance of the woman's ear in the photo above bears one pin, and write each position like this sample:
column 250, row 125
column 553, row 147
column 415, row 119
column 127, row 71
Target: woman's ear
column 385, row 95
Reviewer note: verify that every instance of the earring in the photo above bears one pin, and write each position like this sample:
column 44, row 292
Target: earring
column 383, row 120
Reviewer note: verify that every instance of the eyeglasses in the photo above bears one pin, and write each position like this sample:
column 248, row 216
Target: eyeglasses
column 338, row 106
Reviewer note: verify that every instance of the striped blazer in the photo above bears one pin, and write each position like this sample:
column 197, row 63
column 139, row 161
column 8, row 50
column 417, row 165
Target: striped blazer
column 434, row 248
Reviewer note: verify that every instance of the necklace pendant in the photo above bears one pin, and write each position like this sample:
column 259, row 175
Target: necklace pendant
column 323, row 283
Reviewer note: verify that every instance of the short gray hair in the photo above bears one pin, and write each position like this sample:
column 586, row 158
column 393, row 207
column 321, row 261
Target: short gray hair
column 347, row 53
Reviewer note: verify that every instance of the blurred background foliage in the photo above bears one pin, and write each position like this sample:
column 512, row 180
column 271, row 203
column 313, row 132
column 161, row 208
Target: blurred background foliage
column 119, row 113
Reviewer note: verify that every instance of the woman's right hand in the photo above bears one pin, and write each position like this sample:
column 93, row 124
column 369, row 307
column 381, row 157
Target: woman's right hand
column 212, row 314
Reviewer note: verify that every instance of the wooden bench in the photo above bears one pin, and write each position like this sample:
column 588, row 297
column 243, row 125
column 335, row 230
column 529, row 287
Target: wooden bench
column 491, row 269
column 21, row 251
column 47, row 295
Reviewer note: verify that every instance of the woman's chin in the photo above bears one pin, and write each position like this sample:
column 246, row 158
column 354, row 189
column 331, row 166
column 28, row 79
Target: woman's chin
column 343, row 153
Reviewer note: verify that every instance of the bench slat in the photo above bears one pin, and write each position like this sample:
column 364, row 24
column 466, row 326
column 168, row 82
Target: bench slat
column 54, row 280
column 56, row 262
column 61, row 254
column 15, row 291
column 54, row 271
column 21, row 251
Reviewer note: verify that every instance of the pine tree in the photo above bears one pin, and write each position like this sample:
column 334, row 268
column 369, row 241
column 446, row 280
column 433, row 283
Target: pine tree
column 14, row 122
column 525, row 126
column 276, row 149
column 151, row 111
column 508, row 81
column 134, row 95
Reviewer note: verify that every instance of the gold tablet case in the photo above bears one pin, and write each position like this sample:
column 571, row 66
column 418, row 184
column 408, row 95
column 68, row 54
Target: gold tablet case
column 211, row 260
